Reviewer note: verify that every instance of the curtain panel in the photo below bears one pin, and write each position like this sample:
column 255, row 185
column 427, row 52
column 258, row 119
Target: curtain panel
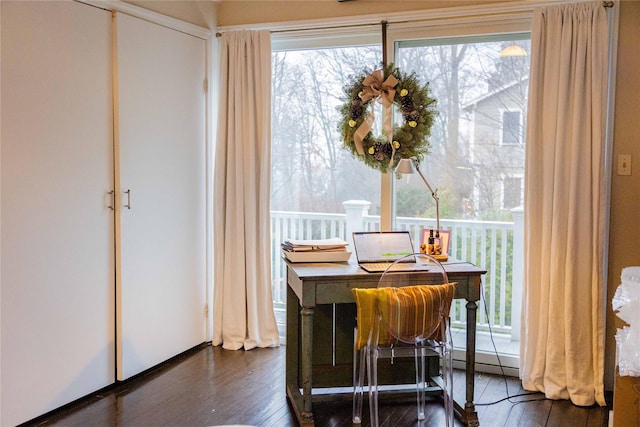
column 243, row 315
column 562, row 346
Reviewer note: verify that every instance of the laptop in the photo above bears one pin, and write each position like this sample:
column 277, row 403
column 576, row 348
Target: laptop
column 377, row 250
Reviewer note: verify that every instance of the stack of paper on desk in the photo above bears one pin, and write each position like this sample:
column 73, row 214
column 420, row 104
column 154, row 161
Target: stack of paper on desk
column 319, row 250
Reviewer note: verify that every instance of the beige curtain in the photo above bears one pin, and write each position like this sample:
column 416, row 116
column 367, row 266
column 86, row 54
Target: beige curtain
column 243, row 314
column 562, row 347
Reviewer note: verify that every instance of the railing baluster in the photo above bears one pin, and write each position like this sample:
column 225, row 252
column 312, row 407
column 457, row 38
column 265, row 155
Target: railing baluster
column 503, row 278
column 494, row 273
column 275, row 236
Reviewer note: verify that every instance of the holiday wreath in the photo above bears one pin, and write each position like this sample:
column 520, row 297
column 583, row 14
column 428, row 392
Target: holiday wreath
column 387, row 86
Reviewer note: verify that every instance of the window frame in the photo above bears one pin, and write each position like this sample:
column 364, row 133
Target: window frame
column 439, row 28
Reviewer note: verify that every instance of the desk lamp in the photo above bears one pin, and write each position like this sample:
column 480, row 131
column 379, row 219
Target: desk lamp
column 406, row 167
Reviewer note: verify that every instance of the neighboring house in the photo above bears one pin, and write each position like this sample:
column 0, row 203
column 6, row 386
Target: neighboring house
column 496, row 146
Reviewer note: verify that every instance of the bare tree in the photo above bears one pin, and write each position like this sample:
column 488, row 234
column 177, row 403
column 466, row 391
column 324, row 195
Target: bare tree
column 307, row 108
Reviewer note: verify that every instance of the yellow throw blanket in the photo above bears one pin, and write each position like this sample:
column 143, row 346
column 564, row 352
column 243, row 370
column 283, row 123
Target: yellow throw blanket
column 408, row 313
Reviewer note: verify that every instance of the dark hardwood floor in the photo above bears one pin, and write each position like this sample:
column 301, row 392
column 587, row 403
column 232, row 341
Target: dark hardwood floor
column 211, row 386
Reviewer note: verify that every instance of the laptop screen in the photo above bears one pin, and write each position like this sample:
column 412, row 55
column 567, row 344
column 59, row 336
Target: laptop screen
column 382, row 246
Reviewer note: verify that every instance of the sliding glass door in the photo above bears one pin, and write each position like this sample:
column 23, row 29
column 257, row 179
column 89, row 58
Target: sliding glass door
column 476, row 160
column 477, row 164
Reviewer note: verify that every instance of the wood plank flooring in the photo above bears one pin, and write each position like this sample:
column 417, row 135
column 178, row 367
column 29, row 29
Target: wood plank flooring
column 211, row 386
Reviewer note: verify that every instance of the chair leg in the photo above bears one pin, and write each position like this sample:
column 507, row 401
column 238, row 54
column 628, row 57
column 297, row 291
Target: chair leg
column 359, row 364
column 372, row 371
column 447, row 375
column 358, row 379
column 420, row 381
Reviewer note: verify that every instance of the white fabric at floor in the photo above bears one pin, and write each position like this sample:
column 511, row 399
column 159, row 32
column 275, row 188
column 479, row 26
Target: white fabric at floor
column 562, row 347
column 243, row 315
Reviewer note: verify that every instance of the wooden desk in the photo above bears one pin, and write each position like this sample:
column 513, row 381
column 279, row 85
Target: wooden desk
column 321, row 317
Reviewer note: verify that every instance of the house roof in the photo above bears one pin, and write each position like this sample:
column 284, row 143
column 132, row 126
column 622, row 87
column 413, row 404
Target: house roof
column 490, row 94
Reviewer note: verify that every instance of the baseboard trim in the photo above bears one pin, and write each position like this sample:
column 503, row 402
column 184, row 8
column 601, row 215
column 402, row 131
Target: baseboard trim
column 116, row 387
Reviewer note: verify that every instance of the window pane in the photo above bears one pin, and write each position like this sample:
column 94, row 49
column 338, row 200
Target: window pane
column 511, row 130
column 481, row 98
column 311, row 171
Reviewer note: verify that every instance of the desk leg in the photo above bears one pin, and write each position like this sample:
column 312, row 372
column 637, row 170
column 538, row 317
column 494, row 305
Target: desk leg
column 295, row 361
column 306, row 315
column 471, row 416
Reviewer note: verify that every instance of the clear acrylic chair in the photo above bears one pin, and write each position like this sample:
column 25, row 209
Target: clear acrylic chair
column 398, row 319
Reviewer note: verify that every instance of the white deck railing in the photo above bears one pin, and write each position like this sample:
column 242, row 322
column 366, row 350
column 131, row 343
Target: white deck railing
column 492, row 245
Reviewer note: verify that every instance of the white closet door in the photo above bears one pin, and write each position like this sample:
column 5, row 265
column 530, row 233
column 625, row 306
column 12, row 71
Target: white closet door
column 58, row 334
column 161, row 107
